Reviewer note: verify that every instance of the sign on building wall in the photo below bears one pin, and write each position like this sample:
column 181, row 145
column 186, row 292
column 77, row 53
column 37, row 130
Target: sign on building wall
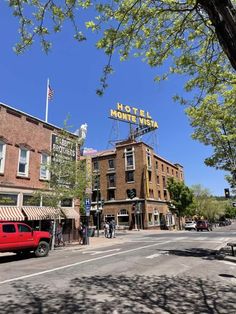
column 8, row 199
column 63, row 148
column 133, row 115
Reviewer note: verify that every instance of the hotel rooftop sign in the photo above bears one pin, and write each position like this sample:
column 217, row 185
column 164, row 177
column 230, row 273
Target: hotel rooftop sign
column 133, row 115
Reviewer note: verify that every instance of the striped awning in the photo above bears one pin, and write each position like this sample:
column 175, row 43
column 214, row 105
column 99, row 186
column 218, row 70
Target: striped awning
column 70, row 213
column 41, row 213
column 11, row 213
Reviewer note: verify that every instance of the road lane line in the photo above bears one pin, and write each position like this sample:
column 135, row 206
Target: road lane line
column 78, row 263
column 99, row 252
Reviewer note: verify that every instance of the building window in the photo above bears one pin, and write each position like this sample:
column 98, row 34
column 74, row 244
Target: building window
column 2, row 156
column 111, row 164
column 129, row 176
column 158, row 180
column 172, row 172
column 162, row 167
column 31, row 200
column 23, row 166
column 111, row 195
column 149, row 176
column 8, row 199
column 94, row 196
column 149, row 160
column 167, row 170
column 95, row 166
column 159, row 195
column 164, row 182
column 165, row 195
column 156, row 165
column 44, row 171
column 156, row 217
column 96, row 183
column 129, row 159
column 176, row 174
column 67, row 202
column 111, row 181
column 151, row 194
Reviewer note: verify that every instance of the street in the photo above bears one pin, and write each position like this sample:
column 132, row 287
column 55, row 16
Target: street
column 138, row 272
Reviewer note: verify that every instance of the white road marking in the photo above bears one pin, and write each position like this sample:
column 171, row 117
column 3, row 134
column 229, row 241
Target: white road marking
column 157, row 254
column 100, row 252
column 79, row 263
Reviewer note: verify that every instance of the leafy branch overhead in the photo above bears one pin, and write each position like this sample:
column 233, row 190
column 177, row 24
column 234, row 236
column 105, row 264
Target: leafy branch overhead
column 195, row 38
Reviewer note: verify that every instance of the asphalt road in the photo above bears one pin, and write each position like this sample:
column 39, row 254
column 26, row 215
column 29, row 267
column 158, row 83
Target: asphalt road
column 147, row 272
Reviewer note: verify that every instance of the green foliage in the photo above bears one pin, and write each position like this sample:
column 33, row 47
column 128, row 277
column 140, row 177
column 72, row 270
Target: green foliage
column 177, row 34
column 68, row 178
column 181, row 196
column 206, row 205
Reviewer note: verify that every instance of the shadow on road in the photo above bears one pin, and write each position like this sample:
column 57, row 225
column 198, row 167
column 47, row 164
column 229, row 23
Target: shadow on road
column 122, row 294
column 191, row 252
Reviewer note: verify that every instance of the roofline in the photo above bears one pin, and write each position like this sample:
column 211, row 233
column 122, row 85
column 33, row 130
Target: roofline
column 33, row 117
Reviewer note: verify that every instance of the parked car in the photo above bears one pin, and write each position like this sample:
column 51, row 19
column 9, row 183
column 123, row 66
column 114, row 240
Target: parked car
column 203, row 225
column 190, row 225
column 18, row 237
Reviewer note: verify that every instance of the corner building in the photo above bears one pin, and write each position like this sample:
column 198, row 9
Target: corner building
column 26, row 145
column 131, row 183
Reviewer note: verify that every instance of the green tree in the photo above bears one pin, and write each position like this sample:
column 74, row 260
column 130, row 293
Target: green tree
column 181, row 197
column 68, row 176
column 206, row 205
column 193, row 37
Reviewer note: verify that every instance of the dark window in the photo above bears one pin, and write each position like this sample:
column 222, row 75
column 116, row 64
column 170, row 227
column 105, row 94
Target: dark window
column 111, row 163
column 164, row 182
column 158, row 180
column 95, row 165
column 162, row 167
column 67, row 202
column 94, row 196
column 8, row 228
column 111, row 180
column 150, row 176
column 111, row 194
column 165, row 194
column 30, row 200
column 23, row 228
column 129, row 176
column 8, row 199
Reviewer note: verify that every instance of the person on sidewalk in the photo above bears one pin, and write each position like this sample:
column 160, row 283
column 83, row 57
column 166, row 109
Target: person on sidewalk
column 106, row 229
column 114, row 228
column 110, row 229
column 59, row 235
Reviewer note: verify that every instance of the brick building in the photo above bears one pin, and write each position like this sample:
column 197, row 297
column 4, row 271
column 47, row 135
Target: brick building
column 131, row 182
column 26, row 145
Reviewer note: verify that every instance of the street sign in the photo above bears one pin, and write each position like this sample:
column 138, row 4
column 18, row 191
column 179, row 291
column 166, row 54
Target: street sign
column 87, row 206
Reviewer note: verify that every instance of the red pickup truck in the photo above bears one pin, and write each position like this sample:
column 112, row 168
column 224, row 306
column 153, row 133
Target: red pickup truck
column 18, row 237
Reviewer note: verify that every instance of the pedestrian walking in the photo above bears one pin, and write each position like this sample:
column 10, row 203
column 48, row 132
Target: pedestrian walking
column 59, row 235
column 106, row 229
column 114, row 228
column 110, row 229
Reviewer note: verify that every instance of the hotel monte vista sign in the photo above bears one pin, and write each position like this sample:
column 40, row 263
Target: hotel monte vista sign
column 133, row 115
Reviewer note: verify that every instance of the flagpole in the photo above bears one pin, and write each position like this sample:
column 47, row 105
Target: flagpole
column 46, row 112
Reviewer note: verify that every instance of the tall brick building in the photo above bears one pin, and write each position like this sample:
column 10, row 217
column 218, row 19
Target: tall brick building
column 26, row 145
column 131, row 182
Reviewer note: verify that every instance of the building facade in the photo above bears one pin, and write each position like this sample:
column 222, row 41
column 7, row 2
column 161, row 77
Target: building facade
column 26, row 147
column 131, row 184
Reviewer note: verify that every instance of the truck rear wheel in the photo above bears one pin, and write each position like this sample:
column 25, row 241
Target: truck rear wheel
column 42, row 249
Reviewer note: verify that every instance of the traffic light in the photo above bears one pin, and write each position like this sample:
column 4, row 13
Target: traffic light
column 131, row 193
column 227, row 193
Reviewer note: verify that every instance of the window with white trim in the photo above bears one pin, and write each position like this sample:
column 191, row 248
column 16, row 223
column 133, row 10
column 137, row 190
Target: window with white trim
column 44, row 171
column 2, row 156
column 129, row 159
column 23, row 165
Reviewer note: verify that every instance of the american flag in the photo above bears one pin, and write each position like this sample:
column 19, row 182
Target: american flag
column 50, row 93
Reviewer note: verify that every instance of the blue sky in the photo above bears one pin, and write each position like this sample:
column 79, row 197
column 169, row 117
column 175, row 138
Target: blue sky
column 74, row 71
